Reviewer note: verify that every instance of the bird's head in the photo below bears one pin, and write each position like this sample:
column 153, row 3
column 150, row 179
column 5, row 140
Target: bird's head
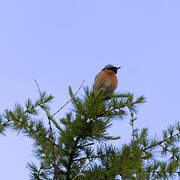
column 111, row 67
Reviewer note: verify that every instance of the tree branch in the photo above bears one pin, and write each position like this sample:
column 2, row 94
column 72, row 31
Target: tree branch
column 161, row 142
column 50, row 135
column 82, row 169
column 67, row 101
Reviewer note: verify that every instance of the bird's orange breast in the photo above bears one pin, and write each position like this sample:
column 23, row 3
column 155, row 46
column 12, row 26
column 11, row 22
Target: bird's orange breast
column 105, row 79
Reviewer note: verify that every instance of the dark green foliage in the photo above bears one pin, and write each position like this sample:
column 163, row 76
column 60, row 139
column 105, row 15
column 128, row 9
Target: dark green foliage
column 3, row 125
column 70, row 147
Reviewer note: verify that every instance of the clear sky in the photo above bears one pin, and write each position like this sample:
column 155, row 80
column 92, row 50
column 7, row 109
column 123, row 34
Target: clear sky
column 62, row 43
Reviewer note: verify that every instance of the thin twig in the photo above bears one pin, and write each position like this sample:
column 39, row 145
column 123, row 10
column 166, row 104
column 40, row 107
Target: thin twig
column 38, row 87
column 82, row 169
column 159, row 172
column 87, row 158
column 133, row 131
column 161, row 142
column 132, row 125
column 50, row 135
column 67, row 101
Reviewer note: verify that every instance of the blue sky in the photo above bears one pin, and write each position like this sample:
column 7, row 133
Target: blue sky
column 62, row 43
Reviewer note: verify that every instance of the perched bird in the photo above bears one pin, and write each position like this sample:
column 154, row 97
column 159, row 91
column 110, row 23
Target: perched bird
column 106, row 79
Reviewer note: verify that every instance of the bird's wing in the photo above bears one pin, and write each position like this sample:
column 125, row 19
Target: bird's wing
column 96, row 77
column 99, row 81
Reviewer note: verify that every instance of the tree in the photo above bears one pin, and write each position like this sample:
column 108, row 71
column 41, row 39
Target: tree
column 71, row 148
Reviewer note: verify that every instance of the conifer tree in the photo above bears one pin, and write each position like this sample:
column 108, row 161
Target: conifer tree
column 75, row 147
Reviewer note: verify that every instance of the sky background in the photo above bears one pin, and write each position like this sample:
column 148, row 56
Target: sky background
column 62, row 43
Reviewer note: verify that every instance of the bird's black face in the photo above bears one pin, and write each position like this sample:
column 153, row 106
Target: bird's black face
column 111, row 67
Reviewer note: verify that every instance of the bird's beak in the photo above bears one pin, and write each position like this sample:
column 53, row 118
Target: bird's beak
column 119, row 67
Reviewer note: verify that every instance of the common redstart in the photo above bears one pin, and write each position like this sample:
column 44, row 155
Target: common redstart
column 106, row 79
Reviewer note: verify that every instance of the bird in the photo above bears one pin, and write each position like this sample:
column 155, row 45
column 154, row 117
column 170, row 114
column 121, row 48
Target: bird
column 106, row 79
